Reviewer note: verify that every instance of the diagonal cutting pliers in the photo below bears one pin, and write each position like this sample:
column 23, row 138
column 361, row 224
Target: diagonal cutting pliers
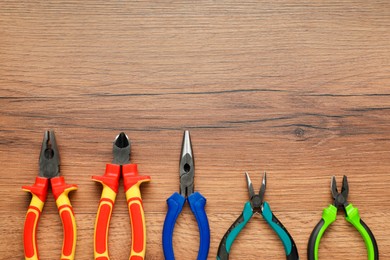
column 256, row 204
column 49, row 172
column 351, row 215
column 110, row 181
column 195, row 200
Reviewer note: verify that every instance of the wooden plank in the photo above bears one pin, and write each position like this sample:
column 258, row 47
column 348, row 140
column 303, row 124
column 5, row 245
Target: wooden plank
column 300, row 89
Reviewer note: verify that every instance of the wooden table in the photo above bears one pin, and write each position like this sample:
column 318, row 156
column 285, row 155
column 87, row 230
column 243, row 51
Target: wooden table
column 300, row 89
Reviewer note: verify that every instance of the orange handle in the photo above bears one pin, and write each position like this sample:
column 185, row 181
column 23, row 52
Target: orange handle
column 60, row 191
column 110, row 182
column 134, row 201
column 39, row 194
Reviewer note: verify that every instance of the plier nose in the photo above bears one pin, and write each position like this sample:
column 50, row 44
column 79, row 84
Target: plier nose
column 121, row 149
column 340, row 199
column 256, row 199
column 187, row 167
column 49, row 159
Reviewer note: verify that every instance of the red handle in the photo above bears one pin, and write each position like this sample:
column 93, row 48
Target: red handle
column 132, row 181
column 39, row 193
column 60, row 191
column 110, row 182
column 138, row 231
column 101, row 228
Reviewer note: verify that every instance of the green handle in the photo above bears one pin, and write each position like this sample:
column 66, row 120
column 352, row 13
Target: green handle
column 328, row 217
column 353, row 217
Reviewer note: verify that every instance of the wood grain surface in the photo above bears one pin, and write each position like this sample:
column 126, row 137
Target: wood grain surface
column 300, row 89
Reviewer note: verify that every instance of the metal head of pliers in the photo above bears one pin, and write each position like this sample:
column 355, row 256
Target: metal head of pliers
column 256, row 199
column 340, row 199
column 49, row 159
column 187, row 167
column 121, row 149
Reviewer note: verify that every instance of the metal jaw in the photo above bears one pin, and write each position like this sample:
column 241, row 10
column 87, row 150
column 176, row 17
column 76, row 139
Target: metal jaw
column 256, row 199
column 340, row 199
column 49, row 159
column 121, row 149
column 187, row 167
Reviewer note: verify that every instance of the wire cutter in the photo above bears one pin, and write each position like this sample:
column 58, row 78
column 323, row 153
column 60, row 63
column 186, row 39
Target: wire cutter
column 49, row 170
column 195, row 200
column 351, row 215
column 256, row 204
column 110, row 181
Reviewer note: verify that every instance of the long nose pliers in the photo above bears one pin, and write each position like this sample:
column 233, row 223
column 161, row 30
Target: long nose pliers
column 256, row 204
column 351, row 215
column 195, row 200
column 110, row 181
column 49, row 172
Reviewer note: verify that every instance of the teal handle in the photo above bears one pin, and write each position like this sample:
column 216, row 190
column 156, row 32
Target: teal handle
column 288, row 242
column 233, row 231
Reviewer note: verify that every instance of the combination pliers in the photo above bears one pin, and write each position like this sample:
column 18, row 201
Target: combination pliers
column 49, row 171
column 351, row 215
column 195, row 200
column 110, row 181
column 256, row 204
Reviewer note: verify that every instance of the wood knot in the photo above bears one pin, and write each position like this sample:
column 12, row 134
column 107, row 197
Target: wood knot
column 299, row 132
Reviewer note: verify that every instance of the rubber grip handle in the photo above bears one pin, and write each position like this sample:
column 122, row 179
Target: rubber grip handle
column 60, row 191
column 137, row 217
column 39, row 194
column 353, row 217
column 138, row 229
column 230, row 235
column 197, row 204
column 110, row 182
column 288, row 243
column 102, row 223
column 132, row 182
column 175, row 205
column 328, row 217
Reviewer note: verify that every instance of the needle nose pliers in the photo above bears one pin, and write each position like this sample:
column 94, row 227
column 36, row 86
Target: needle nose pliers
column 351, row 215
column 256, row 204
column 49, row 171
column 110, row 181
column 195, row 200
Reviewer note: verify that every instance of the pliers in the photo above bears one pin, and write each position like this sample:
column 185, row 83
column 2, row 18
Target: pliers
column 49, row 170
column 110, row 181
column 195, row 200
column 351, row 215
column 256, row 204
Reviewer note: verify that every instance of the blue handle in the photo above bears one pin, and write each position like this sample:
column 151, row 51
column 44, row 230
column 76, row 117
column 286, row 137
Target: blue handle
column 175, row 205
column 277, row 226
column 197, row 203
